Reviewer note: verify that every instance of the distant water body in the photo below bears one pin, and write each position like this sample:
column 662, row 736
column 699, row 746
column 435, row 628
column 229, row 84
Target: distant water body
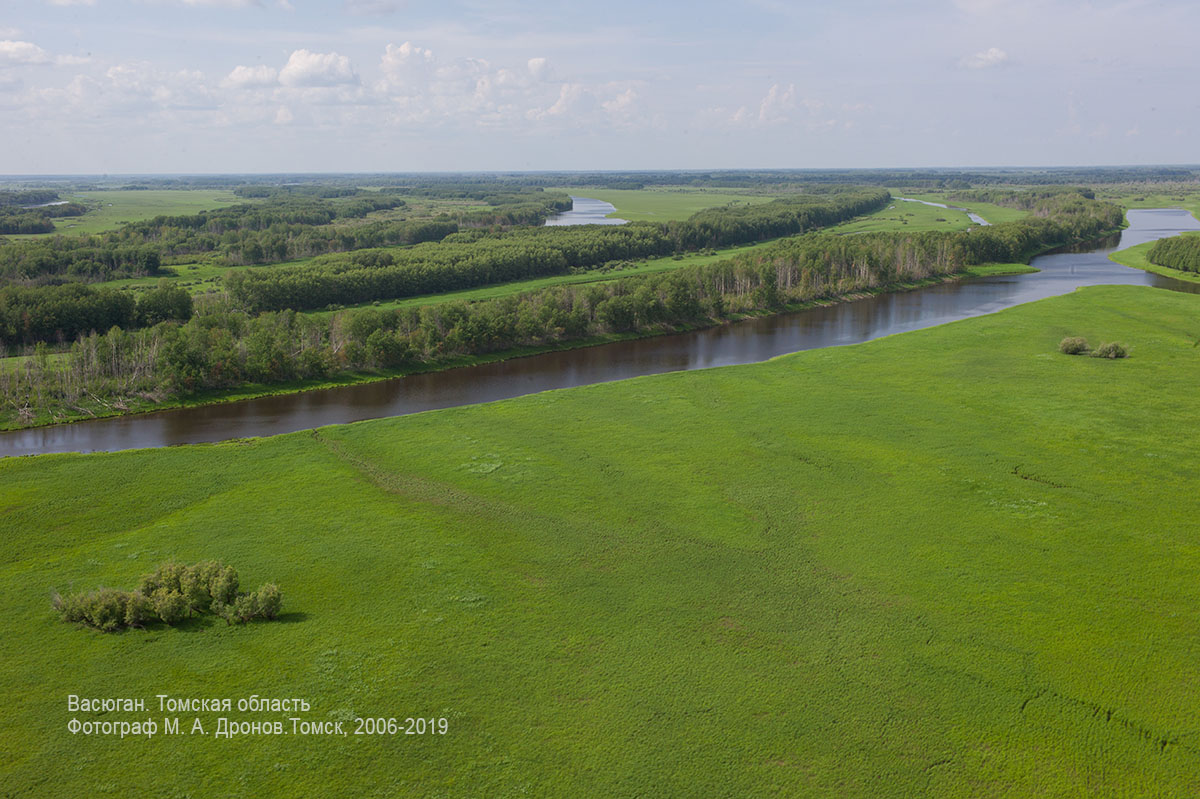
column 587, row 211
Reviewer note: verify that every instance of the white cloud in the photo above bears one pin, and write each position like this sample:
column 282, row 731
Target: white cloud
column 306, row 68
column 243, row 77
column 991, row 57
column 13, row 53
column 406, row 67
column 283, row 116
column 622, row 104
column 537, row 67
column 9, row 33
column 778, row 102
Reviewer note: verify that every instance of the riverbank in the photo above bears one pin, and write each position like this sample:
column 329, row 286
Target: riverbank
column 135, row 405
column 1135, row 257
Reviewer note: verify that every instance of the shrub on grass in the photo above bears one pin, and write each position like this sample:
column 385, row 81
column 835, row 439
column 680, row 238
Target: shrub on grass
column 105, row 609
column 1111, row 350
column 1073, row 345
column 170, row 594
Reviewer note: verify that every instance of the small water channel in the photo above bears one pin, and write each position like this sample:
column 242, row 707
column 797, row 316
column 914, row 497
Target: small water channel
column 976, row 218
column 749, row 341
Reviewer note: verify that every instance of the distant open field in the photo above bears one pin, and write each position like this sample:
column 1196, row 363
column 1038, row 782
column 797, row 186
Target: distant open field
column 1152, row 197
column 952, row 562
column 112, row 208
column 906, row 217
column 663, row 205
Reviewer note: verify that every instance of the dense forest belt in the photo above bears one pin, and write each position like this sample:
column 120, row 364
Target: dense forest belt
column 469, row 260
column 1177, row 252
column 283, row 227
column 224, row 350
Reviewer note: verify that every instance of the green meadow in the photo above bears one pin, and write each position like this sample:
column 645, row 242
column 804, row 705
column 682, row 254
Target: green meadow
column 995, row 214
column 109, row 209
column 906, row 217
column 952, row 562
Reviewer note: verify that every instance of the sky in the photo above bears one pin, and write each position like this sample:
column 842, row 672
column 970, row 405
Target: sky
column 220, row 86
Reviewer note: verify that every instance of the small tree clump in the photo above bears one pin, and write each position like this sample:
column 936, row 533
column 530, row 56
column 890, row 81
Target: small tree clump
column 170, row 594
column 261, row 604
column 1111, row 350
column 105, row 609
column 1073, row 345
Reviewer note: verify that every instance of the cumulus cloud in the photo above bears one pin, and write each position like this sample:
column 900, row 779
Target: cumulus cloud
column 991, row 57
column 406, row 66
column 14, row 53
column 778, row 102
column 305, row 68
column 248, row 77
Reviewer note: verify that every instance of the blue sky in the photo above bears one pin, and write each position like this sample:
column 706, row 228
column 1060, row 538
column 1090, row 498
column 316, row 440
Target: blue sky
column 121, row 86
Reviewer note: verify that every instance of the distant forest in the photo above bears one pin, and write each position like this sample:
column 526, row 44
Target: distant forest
column 941, row 179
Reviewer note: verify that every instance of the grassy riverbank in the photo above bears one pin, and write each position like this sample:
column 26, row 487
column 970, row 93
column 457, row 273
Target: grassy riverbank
column 952, row 562
column 1136, row 258
column 96, row 408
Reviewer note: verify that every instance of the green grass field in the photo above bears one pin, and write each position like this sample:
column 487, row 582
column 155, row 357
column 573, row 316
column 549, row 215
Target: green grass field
column 947, row 563
column 995, row 214
column 905, row 217
column 109, row 209
column 662, row 205
column 1129, row 196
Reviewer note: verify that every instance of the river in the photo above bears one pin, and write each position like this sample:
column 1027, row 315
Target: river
column 749, row 341
column 586, row 211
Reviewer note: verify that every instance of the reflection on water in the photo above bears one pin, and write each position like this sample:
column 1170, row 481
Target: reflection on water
column 586, row 211
column 743, row 342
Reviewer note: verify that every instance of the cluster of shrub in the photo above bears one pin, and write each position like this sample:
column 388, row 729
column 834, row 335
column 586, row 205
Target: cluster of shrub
column 1074, row 345
column 1177, row 252
column 172, row 593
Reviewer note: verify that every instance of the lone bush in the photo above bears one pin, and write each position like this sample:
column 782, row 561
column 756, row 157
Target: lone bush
column 1112, row 350
column 1073, row 345
column 170, row 594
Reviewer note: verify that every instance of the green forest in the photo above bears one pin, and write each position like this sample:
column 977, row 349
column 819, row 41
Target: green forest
column 163, row 344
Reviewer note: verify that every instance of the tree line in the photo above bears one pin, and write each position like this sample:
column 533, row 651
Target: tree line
column 29, row 314
column 225, row 347
column 1176, row 252
column 285, row 227
column 466, row 261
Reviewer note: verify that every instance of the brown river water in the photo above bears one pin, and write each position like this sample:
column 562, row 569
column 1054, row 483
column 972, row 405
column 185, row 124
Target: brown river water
column 748, row 341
